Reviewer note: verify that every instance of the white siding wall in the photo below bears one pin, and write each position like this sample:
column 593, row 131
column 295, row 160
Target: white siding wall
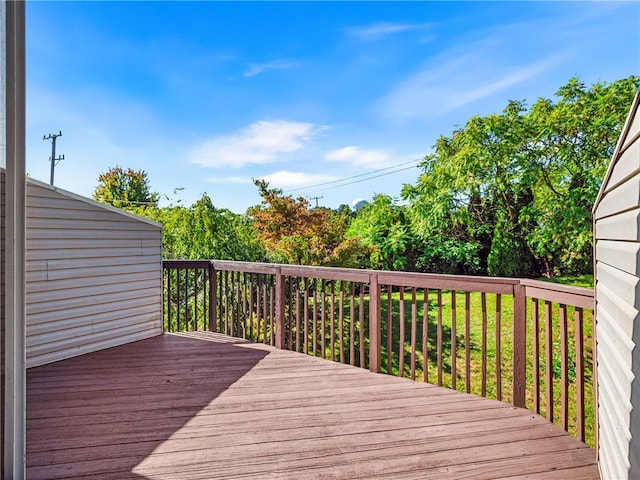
column 617, row 253
column 94, row 276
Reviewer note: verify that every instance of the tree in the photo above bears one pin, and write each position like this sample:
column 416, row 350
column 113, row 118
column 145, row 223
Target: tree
column 203, row 231
column 293, row 233
column 127, row 189
column 519, row 185
column 381, row 225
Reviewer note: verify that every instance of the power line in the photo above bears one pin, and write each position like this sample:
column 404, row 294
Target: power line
column 358, row 176
column 365, row 179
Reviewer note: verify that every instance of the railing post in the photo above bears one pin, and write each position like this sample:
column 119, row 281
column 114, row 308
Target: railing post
column 280, row 308
column 213, row 299
column 519, row 345
column 374, row 324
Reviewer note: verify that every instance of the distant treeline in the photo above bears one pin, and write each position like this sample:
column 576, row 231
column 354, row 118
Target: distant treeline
column 509, row 194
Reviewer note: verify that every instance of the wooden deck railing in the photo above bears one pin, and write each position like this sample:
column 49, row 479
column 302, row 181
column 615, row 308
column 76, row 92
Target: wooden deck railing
column 526, row 342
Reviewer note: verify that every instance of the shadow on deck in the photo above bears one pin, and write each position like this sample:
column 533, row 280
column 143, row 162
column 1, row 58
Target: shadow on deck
column 202, row 405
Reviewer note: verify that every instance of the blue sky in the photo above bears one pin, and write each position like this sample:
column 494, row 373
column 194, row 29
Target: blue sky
column 205, row 96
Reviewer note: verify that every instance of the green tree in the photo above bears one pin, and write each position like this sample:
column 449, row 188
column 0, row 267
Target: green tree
column 381, row 225
column 127, row 189
column 519, row 185
column 203, row 231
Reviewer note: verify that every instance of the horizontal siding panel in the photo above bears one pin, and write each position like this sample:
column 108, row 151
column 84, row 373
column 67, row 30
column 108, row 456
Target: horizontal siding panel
column 88, row 272
column 43, row 357
column 90, row 311
column 46, row 224
column 53, row 325
column 625, row 285
column 617, row 419
column 86, row 253
column 92, row 305
column 624, row 256
column 623, row 226
column 107, row 280
column 80, row 234
column 619, row 410
column 618, row 345
column 91, row 291
column 628, row 163
column 54, row 244
column 624, row 196
column 96, row 262
column 612, row 461
column 622, row 314
column 634, row 128
column 43, row 195
column 59, row 337
column 82, row 213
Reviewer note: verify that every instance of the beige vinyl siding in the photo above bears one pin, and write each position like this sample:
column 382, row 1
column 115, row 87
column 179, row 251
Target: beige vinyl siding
column 617, row 272
column 94, row 276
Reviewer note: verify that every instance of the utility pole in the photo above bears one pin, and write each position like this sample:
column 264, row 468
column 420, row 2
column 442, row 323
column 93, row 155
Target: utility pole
column 316, row 199
column 54, row 160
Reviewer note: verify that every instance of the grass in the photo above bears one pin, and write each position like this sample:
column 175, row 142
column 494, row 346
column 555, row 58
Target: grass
column 585, row 281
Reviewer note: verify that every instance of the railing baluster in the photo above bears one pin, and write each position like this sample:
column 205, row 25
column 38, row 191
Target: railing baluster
column 272, row 311
column 498, row 346
column 178, row 300
column 401, row 336
column 361, row 325
column 314, row 325
column 213, row 298
column 467, row 340
column 323, row 320
column 564, row 366
column 332, row 315
column 414, row 332
column 425, row 334
column 549, row 359
column 439, row 332
column 290, row 314
column 483, row 302
column 389, row 329
column 298, row 283
column 305, row 314
column 579, row 335
column 341, row 322
column 454, row 374
column 535, row 340
column 352, row 312
column 265, row 309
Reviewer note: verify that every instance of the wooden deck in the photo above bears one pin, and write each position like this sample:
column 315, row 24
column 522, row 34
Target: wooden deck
column 204, row 406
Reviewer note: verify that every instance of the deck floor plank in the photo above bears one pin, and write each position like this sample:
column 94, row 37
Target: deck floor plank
column 206, row 406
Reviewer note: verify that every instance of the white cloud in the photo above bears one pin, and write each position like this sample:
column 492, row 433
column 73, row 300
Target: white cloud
column 358, row 157
column 455, row 83
column 260, row 143
column 376, row 31
column 287, row 179
column 256, row 68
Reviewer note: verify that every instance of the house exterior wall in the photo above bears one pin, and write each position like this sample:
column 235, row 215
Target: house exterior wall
column 617, row 274
column 93, row 279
